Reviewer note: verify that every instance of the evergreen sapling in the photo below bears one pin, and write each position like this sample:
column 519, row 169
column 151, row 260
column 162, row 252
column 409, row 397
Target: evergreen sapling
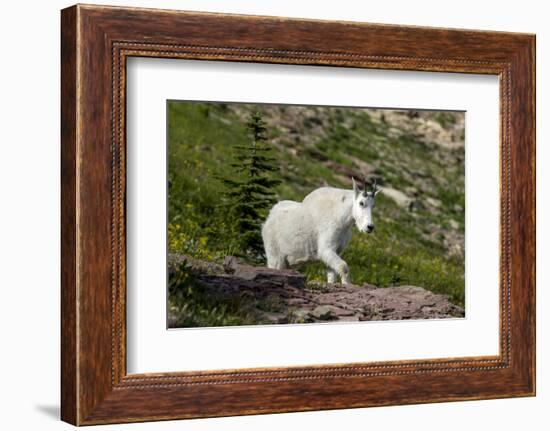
column 251, row 192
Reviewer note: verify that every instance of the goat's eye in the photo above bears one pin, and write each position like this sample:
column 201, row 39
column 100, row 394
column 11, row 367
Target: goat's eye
column 362, row 203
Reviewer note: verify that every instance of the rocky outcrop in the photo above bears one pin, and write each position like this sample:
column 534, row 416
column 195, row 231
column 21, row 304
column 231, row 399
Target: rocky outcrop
column 283, row 296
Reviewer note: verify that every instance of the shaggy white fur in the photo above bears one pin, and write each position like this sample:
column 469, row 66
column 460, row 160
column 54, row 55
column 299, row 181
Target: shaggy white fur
column 318, row 228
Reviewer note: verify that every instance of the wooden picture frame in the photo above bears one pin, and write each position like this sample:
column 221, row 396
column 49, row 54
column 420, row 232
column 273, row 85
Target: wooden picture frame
column 95, row 43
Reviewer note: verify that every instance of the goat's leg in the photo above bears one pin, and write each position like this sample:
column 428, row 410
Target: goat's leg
column 331, row 276
column 277, row 262
column 336, row 264
column 282, row 264
column 274, row 260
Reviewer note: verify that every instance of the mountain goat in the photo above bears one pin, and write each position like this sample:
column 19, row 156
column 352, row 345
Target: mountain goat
column 318, row 228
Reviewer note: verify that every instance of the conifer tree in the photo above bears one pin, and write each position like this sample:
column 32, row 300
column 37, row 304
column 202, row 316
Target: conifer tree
column 250, row 192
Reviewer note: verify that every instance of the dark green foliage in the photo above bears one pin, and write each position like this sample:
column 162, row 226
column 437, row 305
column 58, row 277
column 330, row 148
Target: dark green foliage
column 198, row 308
column 445, row 119
column 250, row 189
column 180, row 284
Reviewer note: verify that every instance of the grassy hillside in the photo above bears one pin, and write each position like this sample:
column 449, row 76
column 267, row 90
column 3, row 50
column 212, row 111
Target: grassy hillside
column 417, row 157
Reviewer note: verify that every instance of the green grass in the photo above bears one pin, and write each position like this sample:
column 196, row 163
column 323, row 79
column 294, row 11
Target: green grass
column 198, row 308
column 445, row 119
column 401, row 251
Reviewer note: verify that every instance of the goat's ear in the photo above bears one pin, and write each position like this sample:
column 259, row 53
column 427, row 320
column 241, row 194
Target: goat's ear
column 355, row 188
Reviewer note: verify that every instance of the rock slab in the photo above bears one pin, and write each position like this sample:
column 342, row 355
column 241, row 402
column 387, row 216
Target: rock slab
column 282, row 296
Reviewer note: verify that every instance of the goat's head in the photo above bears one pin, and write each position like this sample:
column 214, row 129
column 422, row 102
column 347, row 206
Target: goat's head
column 363, row 203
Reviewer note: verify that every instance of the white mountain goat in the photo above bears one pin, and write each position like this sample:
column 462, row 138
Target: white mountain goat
column 318, row 228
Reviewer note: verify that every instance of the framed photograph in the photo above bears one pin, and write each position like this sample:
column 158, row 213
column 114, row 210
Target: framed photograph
column 265, row 214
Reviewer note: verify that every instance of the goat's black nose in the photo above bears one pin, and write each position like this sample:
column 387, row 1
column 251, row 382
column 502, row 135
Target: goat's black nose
column 370, row 228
